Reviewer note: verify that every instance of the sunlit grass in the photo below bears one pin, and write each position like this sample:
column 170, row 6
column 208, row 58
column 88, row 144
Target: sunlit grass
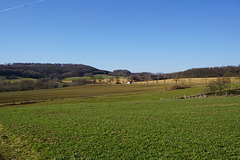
column 19, row 79
column 153, row 91
column 165, row 129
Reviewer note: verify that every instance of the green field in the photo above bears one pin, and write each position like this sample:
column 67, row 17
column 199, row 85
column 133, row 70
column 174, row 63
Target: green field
column 138, row 91
column 119, row 122
column 70, row 79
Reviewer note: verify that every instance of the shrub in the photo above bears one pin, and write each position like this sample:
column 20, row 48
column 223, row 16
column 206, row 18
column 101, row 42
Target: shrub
column 219, row 85
column 65, row 85
column 179, row 87
column 26, row 85
column 80, row 82
column 47, row 83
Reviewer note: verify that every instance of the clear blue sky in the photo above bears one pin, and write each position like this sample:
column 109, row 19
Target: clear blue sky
column 138, row 35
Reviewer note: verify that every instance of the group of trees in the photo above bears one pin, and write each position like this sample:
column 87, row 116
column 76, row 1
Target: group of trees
column 120, row 73
column 219, row 85
column 47, row 83
column 80, row 82
column 145, row 76
column 225, row 71
column 25, row 85
column 96, row 80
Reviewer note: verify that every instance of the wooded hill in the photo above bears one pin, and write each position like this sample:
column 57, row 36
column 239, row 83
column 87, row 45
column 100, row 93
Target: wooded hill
column 60, row 71
column 38, row 70
column 224, row 71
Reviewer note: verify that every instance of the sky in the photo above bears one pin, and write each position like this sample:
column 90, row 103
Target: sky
column 158, row 36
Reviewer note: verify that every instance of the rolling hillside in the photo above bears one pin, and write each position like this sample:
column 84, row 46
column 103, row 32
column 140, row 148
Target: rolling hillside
column 38, row 70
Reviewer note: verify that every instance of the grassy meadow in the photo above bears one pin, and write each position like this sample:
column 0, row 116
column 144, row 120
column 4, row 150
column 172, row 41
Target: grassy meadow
column 138, row 121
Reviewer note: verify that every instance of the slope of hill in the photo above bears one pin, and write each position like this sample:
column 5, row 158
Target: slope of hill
column 38, row 70
column 224, row 71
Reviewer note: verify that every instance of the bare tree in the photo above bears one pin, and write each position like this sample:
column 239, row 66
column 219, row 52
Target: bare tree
column 176, row 80
column 93, row 79
column 111, row 80
column 100, row 79
column 117, row 80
